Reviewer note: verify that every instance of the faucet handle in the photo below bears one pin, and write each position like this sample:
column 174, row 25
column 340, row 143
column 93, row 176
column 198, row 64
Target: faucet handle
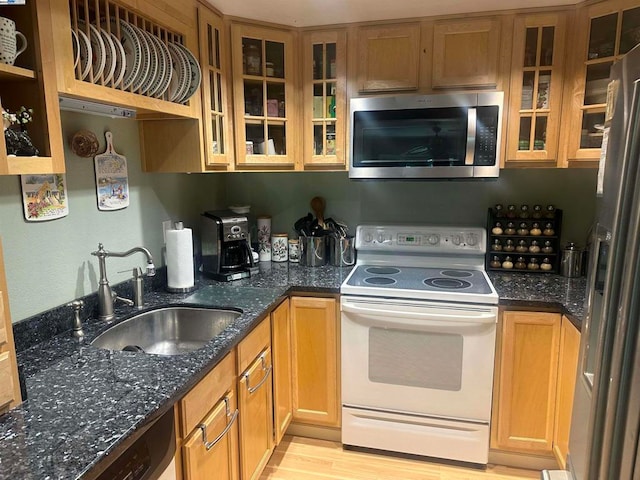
column 76, row 304
column 77, row 322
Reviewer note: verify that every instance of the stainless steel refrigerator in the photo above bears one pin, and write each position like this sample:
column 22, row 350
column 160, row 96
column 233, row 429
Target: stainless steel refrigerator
column 603, row 444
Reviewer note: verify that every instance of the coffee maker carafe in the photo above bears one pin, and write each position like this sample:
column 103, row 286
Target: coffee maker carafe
column 226, row 254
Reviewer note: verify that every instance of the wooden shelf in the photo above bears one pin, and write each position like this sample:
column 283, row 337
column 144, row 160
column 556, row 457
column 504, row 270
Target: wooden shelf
column 29, row 165
column 11, row 72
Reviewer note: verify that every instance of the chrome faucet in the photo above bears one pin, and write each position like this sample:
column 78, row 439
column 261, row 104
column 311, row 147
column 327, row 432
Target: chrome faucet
column 106, row 296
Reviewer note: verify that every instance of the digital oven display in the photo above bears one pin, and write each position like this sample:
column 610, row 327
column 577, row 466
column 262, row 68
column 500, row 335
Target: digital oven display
column 408, row 239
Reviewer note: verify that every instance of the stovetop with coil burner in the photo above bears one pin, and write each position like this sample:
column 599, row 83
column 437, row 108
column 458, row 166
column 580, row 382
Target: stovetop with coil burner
column 421, row 263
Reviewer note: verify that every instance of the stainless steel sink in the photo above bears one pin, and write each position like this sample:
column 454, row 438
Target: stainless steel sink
column 166, row 331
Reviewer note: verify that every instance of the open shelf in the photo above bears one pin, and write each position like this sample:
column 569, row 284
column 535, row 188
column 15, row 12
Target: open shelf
column 11, row 72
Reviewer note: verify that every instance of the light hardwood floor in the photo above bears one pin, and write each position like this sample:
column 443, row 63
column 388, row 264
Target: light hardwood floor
column 298, row 458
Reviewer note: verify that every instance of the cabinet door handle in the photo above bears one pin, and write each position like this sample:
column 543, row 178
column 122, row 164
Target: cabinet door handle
column 232, row 419
column 265, row 369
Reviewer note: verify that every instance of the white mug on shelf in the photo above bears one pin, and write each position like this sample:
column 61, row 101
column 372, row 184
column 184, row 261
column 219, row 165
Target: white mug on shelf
column 9, row 50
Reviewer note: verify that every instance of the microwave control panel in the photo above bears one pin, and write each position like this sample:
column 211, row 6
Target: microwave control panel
column 486, row 136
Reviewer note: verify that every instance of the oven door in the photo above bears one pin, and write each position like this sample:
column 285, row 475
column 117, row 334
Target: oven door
column 418, row 357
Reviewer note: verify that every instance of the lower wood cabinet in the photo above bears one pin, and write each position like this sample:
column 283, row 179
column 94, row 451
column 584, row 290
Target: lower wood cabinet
column 9, row 384
column 281, row 353
column 208, row 420
column 315, row 365
column 255, row 401
column 535, row 375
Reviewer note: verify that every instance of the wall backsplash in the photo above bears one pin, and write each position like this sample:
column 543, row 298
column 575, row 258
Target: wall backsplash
column 49, row 263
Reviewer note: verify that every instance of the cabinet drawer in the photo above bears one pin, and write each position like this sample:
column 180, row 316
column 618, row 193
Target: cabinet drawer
column 3, row 321
column 6, row 379
column 201, row 399
column 253, row 344
column 212, row 447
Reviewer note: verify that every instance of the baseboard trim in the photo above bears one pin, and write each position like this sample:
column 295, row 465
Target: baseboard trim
column 331, row 434
column 521, row 460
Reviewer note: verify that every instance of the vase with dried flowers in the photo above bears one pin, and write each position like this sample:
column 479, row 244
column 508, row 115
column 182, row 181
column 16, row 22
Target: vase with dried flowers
column 16, row 136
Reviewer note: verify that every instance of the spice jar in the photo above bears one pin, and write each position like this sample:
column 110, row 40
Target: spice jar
column 497, row 245
column 534, row 247
column 537, row 212
column 546, row 265
column 551, row 212
column 522, row 229
column 510, row 229
column 548, row 230
column 533, row 264
column 535, row 229
column 547, row 248
column 521, row 264
column 524, row 211
column 508, row 263
column 499, row 210
column 495, row 262
column 252, row 60
column 522, row 247
column 497, row 230
column 511, row 211
column 509, row 246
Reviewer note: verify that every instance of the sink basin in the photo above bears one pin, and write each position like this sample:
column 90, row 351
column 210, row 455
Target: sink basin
column 166, row 331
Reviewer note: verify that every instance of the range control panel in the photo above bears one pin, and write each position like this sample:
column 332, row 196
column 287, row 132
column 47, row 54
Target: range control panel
column 423, row 239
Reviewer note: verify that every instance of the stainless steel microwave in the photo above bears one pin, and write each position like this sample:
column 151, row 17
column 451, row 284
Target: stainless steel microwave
column 426, row 136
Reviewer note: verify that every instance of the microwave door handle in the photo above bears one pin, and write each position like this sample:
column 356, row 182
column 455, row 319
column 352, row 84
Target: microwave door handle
column 472, row 118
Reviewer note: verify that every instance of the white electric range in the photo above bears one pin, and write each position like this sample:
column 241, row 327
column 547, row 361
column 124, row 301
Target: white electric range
column 418, row 316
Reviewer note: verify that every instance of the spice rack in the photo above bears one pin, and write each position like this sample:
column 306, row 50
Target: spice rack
column 541, row 249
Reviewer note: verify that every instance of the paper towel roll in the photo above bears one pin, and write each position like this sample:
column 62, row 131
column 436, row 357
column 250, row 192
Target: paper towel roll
column 180, row 259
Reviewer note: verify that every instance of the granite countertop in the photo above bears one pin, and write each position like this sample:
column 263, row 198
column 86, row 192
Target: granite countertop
column 84, row 402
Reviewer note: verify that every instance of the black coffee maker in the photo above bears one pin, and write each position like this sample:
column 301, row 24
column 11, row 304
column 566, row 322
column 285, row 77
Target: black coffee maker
column 226, row 254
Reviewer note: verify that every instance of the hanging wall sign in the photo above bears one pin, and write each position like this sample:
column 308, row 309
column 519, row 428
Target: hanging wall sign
column 112, row 180
column 44, row 197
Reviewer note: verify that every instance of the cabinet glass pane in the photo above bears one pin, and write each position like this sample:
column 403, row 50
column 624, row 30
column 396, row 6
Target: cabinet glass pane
column 210, row 44
column 251, row 56
column 277, row 134
column 219, row 92
column 213, row 92
column 331, row 139
column 531, row 47
column 217, row 48
column 540, row 134
column 255, row 137
column 544, row 84
column 317, row 61
column 592, row 129
column 330, row 67
column 221, row 135
column 524, row 137
column 527, row 90
column 275, row 58
column 253, row 102
column 331, row 100
column 602, row 38
column 595, row 91
column 630, row 35
column 318, row 100
column 275, row 95
column 546, row 53
column 318, row 145
column 214, row 135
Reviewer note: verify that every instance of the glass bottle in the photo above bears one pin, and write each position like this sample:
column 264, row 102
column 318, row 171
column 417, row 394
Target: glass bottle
column 546, row 265
column 522, row 229
column 510, row 229
column 499, row 210
column 497, row 229
column 509, row 246
column 534, row 247
column 533, row 264
column 548, row 230
column 524, row 211
column 497, row 245
column 521, row 264
column 511, row 211
column 522, row 247
column 535, row 229
column 508, row 263
column 495, row 262
column 537, row 212
column 547, row 248
column 551, row 212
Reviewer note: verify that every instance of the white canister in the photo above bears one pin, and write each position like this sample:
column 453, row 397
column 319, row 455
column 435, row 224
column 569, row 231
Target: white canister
column 264, row 252
column 279, row 247
column 294, row 250
column 9, row 50
column 264, row 229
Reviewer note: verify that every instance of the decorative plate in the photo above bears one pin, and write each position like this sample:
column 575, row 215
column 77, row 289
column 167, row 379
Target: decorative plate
column 85, row 54
column 157, row 60
column 149, row 61
column 110, row 54
column 121, row 62
column 132, row 49
column 76, row 48
column 181, row 73
column 196, row 74
column 98, row 50
column 164, row 68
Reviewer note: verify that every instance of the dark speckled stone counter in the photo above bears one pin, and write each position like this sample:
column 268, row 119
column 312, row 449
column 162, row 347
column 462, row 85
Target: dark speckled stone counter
column 539, row 291
column 85, row 403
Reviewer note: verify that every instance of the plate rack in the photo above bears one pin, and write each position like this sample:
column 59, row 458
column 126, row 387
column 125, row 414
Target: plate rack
column 501, row 255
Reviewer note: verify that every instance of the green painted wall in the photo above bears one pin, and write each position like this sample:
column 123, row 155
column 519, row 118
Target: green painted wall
column 49, row 263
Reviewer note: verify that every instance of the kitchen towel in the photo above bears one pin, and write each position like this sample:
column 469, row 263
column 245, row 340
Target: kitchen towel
column 180, row 274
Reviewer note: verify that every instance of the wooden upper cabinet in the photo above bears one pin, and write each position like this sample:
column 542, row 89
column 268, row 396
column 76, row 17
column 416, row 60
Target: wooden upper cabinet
column 603, row 33
column 536, row 90
column 524, row 414
column 216, row 91
column 388, row 57
column 324, row 99
column 466, row 53
column 264, row 88
column 31, row 82
column 9, row 383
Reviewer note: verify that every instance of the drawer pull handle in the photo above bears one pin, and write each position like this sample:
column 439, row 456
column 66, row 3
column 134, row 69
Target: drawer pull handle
column 203, row 427
column 265, row 369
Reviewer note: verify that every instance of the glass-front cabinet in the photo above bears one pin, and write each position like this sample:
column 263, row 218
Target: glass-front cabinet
column 614, row 29
column 264, row 93
column 325, row 112
column 536, row 91
column 216, row 114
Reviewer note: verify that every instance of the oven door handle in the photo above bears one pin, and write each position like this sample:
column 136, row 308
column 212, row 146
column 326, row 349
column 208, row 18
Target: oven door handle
column 389, row 316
